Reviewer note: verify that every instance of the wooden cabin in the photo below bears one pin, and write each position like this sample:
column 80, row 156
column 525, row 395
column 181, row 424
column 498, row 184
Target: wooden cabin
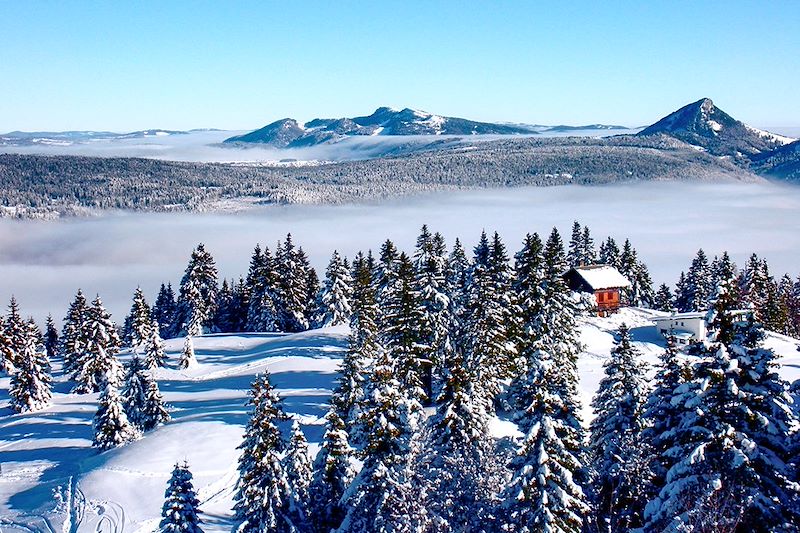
column 604, row 281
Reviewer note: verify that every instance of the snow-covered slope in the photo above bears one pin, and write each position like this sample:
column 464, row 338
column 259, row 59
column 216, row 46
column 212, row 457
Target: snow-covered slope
column 52, row 480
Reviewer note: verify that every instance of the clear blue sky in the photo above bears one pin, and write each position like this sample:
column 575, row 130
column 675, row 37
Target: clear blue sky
column 239, row 64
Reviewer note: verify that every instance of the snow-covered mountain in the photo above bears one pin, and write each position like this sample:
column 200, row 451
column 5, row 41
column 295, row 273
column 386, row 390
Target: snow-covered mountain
column 53, row 480
column 704, row 125
column 783, row 162
column 68, row 138
column 288, row 133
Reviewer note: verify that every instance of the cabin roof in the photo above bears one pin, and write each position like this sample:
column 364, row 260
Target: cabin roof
column 600, row 277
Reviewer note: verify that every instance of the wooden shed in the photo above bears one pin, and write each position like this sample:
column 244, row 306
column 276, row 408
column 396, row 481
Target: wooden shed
column 604, row 281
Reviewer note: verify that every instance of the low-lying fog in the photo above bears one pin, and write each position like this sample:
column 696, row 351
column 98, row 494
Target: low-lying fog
column 44, row 263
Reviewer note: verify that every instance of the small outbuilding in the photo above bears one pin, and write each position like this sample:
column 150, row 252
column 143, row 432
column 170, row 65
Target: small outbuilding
column 688, row 328
column 604, row 281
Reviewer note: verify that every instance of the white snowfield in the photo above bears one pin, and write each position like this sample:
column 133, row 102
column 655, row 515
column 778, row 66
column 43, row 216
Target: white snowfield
column 52, row 480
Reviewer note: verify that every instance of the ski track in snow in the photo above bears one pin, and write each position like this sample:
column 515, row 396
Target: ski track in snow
column 122, row 490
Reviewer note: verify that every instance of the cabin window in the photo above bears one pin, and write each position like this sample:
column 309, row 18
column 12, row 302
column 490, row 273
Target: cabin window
column 601, row 296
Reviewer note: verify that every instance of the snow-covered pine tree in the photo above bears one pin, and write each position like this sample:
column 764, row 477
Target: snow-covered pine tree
column 401, row 337
column 51, row 340
column 312, row 287
column 731, row 445
column 487, row 347
column 253, row 281
column 640, row 293
column 134, row 389
column 456, row 285
column 698, row 288
column 333, row 473
column 383, row 497
column 263, row 498
column 575, row 255
column 723, row 268
column 198, row 291
column 384, row 275
column 139, row 320
column 663, row 299
column 589, row 253
column 111, row 425
column 337, row 293
column 609, row 253
column 154, row 411
column 225, row 313
column 181, row 506
column 262, row 282
column 73, row 333
column 188, row 358
column 16, row 333
column 458, row 464
column 164, row 312
column 31, row 387
column 430, row 266
column 292, row 287
column 297, row 465
column 615, row 450
column 6, row 350
column 154, row 356
column 98, row 364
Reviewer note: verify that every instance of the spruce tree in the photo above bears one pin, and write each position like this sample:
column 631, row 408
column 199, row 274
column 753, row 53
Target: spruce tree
column 31, row 387
column 188, row 358
column 141, row 323
column 297, row 465
column 616, row 436
column 181, row 506
column 293, row 287
column 263, row 498
column 74, row 333
column 262, row 285
column 98, row 365
column 333, row 473
column 575, row 256
column 198, row 291
column 134, row 389
column 663, row 299
column 51, row 340
column 164, row 312
column 609, row 253
column 154, row 411
column 383, row 496
column 337, row 293
column 7, row 354
column 111, row 425
column 154, row 356
column 16, row 333
column 589, row 253
column 698, row 288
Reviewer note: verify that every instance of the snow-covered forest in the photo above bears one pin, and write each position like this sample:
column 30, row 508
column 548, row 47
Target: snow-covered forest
column 455, row 396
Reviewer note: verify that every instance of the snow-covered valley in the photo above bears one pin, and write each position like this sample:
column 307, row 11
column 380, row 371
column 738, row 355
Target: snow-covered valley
column 53, row 480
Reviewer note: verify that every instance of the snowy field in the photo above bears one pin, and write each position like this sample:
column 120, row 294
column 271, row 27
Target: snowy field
column 49, row 453
column 44, row 262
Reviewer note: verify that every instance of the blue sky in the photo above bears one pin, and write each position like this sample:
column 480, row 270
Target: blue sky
column 238, row 65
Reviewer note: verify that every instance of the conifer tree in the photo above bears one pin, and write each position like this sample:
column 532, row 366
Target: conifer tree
column 154, row 356
column 616, row 436
column 262, row 282
column 16, row 333
column 154, row 411
column 381, row 499
column 31, row 388
column 111, row 425
column 609, row 253
column 139, row 320
column 575, row 256
column 697, row 288
column 198, row 291
column 73, row 332
column 188, row 358
column 337, row 293
column 51, row 340
column 134, row 390
column 181, row 506
column 7, row 354
column 293, row 287
column 663, row 299
column 312, row 288
column 164, row 312
column 297, row 465
column 227, row 309
column 263, row 498
column 589, row 253
column 98, row 365
column 333, row 473
column 385, row 274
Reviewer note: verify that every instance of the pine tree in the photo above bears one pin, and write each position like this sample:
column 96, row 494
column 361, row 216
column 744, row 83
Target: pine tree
column 337, row 293
column 51, row 340
column 98, row 364
column 154, row 411
column 297, row 465
column 262, row 285
column 663, row 299
column 293, row 287
column 698, row 286
column 333, row 473
column 381, row 499
column 31, row 388
column 164, row 312
column 616, row 437
column 198, row 291
column 7, row 354
column 188, row 358
column 74, row 333
column 227, row 308
column 609, row 253
column 111, row 425
column 575, row 256
column 589, row 253
column 16, row 333
column 154, row 356
column 263, row 499
column 141, row 323
column 181, row 506
column 312, row 286
column 134, row 390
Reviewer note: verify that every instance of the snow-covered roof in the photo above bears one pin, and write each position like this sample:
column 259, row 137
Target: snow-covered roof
column 681, row 316
column 602, row 277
